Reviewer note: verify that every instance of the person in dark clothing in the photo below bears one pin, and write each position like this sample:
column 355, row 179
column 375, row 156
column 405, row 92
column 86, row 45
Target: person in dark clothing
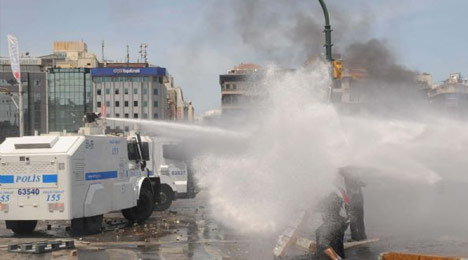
column 330, row 235
column 354, row 186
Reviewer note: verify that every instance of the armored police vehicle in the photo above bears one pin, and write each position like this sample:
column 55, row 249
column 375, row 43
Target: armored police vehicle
column 75, row 177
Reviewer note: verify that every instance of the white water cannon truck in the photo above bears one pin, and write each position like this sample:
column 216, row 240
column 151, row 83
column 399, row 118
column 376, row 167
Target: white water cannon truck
column 75, row 177
column 169, row 161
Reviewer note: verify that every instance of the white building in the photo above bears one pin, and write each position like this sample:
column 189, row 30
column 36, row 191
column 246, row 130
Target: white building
column 130, row 92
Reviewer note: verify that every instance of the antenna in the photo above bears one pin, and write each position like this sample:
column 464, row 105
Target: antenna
column 140, row 52
column 128, row 55
column 145, row 54
column 102, row 51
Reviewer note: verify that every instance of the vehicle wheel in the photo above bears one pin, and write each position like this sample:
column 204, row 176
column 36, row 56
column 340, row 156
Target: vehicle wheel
column 166, row 198
column 93, row 224
column 129, row 214
column 144, row 208
column 86, row 225
column 21, row 227
column 78, row 227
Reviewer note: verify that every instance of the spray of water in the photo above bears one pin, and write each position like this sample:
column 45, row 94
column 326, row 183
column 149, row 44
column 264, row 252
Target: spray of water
column 288, row 153
column 297, row 145
column 179, row 130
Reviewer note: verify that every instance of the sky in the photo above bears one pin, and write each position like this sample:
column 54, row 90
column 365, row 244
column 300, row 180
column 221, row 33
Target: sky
column 197, row 40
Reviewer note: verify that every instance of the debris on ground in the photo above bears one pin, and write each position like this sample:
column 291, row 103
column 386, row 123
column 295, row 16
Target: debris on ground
column 41, row 246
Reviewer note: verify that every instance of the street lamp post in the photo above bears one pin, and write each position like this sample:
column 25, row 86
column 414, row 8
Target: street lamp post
column 328, row 45
column 327, row 31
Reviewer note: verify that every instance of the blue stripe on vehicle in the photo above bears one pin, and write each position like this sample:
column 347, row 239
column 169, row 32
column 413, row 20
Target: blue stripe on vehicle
column 92, row 176
column 49, row 178
column 7, row 179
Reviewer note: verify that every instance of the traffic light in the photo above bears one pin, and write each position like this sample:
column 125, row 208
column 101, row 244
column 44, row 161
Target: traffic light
column 337, row 67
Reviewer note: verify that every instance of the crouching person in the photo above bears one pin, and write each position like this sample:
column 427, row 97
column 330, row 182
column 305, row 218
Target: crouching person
column 330, row 235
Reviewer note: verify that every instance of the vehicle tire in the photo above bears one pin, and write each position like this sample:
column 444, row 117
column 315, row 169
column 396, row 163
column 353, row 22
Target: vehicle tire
column 78, row 227
column 166, row 198
column 86, row 225
column 144, row 208
column 129, row 214
column 93, row 224
column 21, row 227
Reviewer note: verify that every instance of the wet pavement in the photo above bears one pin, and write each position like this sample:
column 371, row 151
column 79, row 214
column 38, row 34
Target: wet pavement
column 188, row 231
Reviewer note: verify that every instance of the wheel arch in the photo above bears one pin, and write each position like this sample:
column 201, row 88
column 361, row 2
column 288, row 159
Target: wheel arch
column 166, row 180
column 144, row 183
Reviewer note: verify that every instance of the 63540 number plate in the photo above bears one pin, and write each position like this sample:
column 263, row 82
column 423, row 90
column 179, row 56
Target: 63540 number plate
column 29, row 191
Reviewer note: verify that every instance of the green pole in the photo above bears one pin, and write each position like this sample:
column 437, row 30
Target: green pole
column 327, row 31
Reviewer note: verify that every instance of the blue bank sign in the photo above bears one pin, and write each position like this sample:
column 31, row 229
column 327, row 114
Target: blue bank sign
column 154, row 71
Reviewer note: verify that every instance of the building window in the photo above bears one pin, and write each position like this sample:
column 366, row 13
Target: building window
column 135, row 115
column 126, row 91
column 98, row 104
column 98, row 91
column 107, row 91
column 107, row 103
column 135, row 103
column 145, row 91
column 126, row 115
column 117, row 103
column 155, row 91
column 126, row 103
column 155, row 115
column 117, row 115
column 234, row 86
column 127, row 129
column 155, row 103
column 145, row 115
column 145, row 103
column 135, row 91
column 117, row 91
column 228, row 86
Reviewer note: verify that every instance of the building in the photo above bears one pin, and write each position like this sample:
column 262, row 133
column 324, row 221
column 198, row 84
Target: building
column 358, row 92
column 238, row 88
column 70, row 55
column 451, row 96
column 456, row 78
column 69, row 84
column 34, row 83
column 69, row 98
column 425, row 78
column 179, row 109
column 59, row 89
column 130, row 92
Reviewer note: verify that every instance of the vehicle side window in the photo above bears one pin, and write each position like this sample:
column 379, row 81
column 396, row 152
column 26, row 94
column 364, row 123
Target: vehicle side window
column 132, row 151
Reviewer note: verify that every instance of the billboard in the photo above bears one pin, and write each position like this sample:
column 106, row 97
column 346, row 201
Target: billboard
column 153, row 71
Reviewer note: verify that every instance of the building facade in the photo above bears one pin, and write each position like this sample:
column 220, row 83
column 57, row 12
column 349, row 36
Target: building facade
column 69, row 98
column 179, row 109
column 239, row 88
column 70, row 55
column 34, row 83
column 130, row 92
column 69, row 85
column 451, row 96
